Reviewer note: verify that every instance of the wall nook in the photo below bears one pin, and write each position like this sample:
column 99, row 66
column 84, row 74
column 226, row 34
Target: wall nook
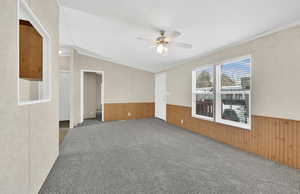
column 34, row 58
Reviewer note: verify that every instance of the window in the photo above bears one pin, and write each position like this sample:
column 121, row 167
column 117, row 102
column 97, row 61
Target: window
column 203, row 93
column 222, row 93
column 234, row 93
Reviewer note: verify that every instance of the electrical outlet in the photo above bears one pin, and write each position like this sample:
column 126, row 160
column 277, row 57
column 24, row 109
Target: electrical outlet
column 129, row 114
column 181, row 121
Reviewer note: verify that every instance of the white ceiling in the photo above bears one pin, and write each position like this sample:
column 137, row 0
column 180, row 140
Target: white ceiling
column 108, row 29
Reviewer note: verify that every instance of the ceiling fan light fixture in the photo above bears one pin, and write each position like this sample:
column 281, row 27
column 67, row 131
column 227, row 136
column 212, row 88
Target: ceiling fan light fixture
column 162, row 49
column 166, row 41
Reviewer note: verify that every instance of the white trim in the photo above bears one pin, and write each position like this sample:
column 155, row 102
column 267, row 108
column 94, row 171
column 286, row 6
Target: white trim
column 33, row 102
column 236, row 92
column 18, row 52
column 158, row 97
column 72, row 91
column 82, row 91
column 194, row 74
column 219, row 93
column 236, row 124
column 47, row 54
column 234, row 59
column 202, row 117
column 201, row 67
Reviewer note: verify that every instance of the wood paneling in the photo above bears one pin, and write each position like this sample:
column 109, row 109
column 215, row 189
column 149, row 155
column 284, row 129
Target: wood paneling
column 119, row 111
column 31, row 52
column 273, row 138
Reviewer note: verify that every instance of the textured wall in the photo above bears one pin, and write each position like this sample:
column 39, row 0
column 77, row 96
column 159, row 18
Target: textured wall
column 122, row 84
column 28, row 146
column 275, row 78
column 64, row 63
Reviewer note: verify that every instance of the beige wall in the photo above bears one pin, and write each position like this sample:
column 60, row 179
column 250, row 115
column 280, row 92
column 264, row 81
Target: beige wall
column 65, row 63
column 29, row 90
column 92, row 94
column 28, row 146
column 275, row 78
column 122, row 84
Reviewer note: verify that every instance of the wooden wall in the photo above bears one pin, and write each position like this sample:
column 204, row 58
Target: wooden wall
column 119, row 111
column 273, row 138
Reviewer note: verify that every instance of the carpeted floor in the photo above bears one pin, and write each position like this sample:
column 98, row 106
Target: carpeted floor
column 151, row 156
column 88, row 122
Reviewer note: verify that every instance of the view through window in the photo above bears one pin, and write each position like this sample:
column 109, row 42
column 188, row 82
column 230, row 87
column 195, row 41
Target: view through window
column 222, row 93
column 235, row 90
column 204, row 93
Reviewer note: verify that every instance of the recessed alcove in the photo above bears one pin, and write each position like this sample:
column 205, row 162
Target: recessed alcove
column 34, row 58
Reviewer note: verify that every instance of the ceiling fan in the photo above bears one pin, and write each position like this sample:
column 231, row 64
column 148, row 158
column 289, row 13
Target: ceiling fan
column 165, row 40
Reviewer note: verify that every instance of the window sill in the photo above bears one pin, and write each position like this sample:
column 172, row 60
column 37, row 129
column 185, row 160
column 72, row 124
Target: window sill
column 34, row 102
column 202, row 117
column 235, row 124
column 224, row 122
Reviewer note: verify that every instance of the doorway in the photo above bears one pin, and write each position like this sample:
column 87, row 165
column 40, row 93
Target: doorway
column 64, row 104
column 92, row 102
column 161, row 96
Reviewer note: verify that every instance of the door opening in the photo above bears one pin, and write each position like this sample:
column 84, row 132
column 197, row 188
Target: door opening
column 64, row 104
column 92, row 103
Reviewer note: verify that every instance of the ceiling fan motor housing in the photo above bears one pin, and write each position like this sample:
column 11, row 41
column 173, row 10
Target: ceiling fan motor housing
column 162, row 38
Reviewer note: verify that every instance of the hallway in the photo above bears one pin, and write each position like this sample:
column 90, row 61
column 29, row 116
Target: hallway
column 151, row 156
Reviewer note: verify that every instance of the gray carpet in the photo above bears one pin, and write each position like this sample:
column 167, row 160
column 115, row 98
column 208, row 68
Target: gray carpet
column 88, row 122
column 151, row 156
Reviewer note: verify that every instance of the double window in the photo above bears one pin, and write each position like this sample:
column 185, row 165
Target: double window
column 221, row 93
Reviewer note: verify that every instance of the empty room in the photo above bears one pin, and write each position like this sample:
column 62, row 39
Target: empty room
column 149, row 96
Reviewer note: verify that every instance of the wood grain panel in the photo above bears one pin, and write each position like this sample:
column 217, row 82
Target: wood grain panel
column 273, row 138
column 31, row 52
column 119, row 111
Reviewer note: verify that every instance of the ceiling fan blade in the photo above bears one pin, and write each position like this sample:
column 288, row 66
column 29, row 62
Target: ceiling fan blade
column 180, row 44
column 151, row 43
column 152, row 46
column 145, row 39
column 172, row 35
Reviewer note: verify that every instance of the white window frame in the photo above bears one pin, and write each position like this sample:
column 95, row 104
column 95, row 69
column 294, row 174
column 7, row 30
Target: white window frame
column 218, row 94
column 47, row 74
column 194, row 92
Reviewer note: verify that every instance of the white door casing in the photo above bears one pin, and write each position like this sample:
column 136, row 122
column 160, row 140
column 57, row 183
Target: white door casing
column 160, row 95
column 82, row 92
